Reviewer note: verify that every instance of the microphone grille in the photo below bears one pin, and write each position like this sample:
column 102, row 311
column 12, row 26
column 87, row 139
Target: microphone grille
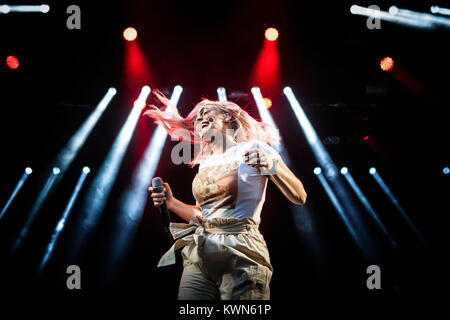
column 157, row 182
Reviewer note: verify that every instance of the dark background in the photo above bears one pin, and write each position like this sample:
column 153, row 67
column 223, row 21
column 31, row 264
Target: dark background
column 330, row 59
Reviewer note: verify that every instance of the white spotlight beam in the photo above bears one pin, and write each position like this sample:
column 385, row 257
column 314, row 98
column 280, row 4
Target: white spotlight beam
column 100, row 188
column 302, row 214
column 62, row 162
column 44, row 8
column 338, row 206
column 222, row 94
column 267, row 118
column 387, row 191
column 262, row 108
column 16, row 190
column 61, row 223
column 365, row 202
column 386, row 16
column 34, row 210
column 132, row 201
column 353, row 217
column 68, row 153
column 436, row 9
column 419, row 16
column 317, row 147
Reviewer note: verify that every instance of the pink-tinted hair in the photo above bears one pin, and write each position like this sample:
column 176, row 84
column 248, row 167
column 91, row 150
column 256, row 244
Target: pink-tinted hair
column 246, row 127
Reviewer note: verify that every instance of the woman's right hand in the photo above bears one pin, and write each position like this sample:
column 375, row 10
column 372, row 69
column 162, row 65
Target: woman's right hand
column 159, row 198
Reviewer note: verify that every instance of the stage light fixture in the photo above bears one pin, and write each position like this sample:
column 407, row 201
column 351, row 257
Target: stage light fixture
column 387, row 64
column 130, row 34
column 317, row 170
column 28, row 170
column 44, row 8
column 12, row 62
column 4, row 9
column 372, row 170
column 268, row 102
column 344, row 170
column 393, row 10
column 271, row 34
column 222, row 94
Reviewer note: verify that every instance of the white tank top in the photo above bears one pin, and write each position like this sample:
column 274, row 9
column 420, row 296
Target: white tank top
column 225, row 186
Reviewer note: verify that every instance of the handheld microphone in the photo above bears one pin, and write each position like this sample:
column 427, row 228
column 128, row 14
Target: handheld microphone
column 158, row 187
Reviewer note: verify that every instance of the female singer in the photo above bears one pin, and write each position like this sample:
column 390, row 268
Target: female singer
column 226, row 257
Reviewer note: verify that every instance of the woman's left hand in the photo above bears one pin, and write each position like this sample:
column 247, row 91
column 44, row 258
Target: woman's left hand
column 258, row 158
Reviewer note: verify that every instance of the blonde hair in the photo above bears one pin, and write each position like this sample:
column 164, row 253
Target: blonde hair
column 245, row 127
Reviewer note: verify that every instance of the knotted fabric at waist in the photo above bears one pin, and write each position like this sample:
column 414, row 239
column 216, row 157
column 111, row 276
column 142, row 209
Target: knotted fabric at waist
column 182, row 233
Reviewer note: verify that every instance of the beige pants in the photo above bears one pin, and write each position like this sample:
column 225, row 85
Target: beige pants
column 228, row 260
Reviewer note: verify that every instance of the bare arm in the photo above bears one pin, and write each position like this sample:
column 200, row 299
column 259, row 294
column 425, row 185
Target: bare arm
column 279, row 173
column 183, row 210
column 288, row 183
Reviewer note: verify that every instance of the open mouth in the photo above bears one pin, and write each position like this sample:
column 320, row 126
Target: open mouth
column 204, row 124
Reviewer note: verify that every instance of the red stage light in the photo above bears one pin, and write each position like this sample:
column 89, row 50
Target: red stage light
column 387, row 64
column 130, row 34
column 268, row 102
column 366, row 138
column 271, row 34
column 12, row 62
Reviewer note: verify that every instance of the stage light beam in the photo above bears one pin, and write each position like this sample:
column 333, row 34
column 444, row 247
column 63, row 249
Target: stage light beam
column 394, row 18
column 302, row 215
column 16, row 190
column 394, row 200
column 61, row 223
column 62, row 162
column 338, row 206
column 132, row 201
column 34, row 210
column 436, row 9
column 365, row 202
column 351, row 212
column 44, row 8
column 420, row 16
column 100, row 188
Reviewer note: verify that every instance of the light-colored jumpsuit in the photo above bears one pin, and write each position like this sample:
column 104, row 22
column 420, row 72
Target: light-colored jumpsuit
column 225, row 256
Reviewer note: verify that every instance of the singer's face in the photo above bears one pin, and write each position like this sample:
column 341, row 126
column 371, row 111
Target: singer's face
column 208, row 118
